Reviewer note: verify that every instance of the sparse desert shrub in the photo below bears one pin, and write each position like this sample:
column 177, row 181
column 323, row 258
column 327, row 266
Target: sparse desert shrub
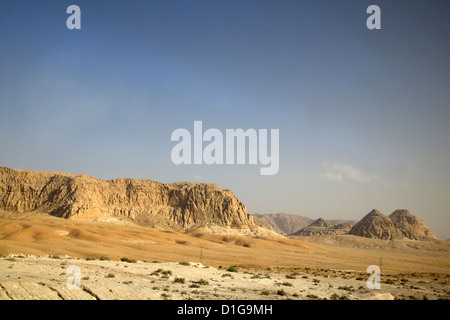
column 227, row 275
column 281, row 292
column 194, row 285
column 184, row 263
column 125, row 259
column 344, row 298
column 233, row 269
column 104, row 258
column 290, row 276
column 127, row 282
column 55, row 256
column 389, row 281
column 198, row 235
column 202, row 282
column 226, row 239
column 304, row 277
column 287, row 284
column 265, row 293
column 334, row 296
column 165, row 296
column 110, row 275
column 181, row 242
column 349, row 289
column 243, row 243
column 312, row 296
column 90, row 258
column 179, row 280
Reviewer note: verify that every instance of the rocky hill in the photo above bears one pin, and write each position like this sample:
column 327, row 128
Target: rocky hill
column 145, row 202
column 401, row 224
column 323, row 227
column 282, row 222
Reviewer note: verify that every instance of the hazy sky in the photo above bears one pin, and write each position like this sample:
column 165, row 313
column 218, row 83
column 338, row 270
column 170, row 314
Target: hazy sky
column 364, row 115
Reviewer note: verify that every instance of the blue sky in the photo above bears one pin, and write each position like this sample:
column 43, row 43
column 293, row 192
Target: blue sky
column 363, row 115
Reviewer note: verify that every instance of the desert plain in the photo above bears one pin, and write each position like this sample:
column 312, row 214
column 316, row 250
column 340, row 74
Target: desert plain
column 119, row 260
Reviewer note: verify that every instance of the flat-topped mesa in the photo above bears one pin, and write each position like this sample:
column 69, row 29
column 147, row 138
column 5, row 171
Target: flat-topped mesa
column 145, row 202
column 399, row 225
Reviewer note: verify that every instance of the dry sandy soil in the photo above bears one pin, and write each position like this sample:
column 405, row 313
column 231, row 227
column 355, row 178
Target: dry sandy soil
column 37, row 250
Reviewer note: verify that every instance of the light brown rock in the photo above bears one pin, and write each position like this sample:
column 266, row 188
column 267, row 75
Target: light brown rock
column 145, row 202
column 323, row 227
column 399, row 225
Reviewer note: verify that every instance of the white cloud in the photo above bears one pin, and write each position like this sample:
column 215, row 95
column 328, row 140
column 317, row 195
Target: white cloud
column 337, row 171
column 331, row 176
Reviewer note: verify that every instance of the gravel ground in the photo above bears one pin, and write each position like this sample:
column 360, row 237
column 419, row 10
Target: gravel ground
column 54, row 277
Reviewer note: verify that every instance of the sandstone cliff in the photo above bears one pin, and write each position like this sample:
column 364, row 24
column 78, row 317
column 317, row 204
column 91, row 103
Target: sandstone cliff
column 145, row 202
column 399, row 225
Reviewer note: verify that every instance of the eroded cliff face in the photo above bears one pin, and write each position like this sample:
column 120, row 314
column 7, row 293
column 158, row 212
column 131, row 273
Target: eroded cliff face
column 145, row 202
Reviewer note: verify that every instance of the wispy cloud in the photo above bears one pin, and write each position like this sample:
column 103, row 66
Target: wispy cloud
column 338, row 171
column 331, row 176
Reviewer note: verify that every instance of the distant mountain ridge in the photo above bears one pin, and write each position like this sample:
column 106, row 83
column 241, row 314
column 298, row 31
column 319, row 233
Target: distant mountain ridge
column 283, row 223
column 179, row 206
column 286, row 223
column 323, row 227
column 400, row 224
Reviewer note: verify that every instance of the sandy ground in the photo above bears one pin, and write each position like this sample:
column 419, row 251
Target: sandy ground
column 37, row 250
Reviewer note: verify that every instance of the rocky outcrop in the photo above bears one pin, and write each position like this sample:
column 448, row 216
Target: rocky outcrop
column 401, row 224
column 282, row 222
column 323, row 227
column 320, row 223
column 145, row 202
